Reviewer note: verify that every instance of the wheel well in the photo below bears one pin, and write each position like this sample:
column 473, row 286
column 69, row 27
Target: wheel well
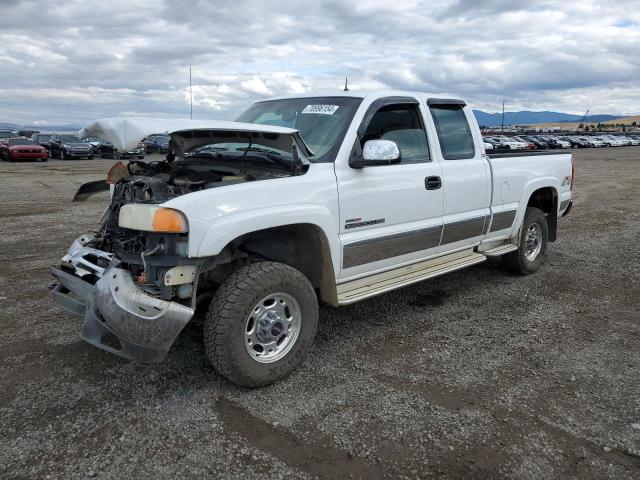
column 301, row 246
column 546, row 199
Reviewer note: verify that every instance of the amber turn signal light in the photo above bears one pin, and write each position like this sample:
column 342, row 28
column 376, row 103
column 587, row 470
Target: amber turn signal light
column 167, row 220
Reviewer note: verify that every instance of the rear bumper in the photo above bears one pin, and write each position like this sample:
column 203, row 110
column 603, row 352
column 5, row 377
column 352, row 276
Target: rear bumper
column 145, row 326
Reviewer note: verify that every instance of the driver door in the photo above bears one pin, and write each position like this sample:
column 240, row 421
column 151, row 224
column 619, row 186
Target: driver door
column 390, row 214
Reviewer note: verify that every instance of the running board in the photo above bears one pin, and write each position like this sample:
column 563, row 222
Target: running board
column 500, row 250
column 356, row 290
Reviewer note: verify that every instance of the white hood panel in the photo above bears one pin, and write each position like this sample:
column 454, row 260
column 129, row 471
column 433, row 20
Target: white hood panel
column 125, row 133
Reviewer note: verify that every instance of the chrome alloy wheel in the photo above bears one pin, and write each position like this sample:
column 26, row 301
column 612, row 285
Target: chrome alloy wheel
column 533, row 241
column 272, row 327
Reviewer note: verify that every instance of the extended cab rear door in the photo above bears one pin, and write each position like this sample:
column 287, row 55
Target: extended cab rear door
column 389, row 214
column 466, row 175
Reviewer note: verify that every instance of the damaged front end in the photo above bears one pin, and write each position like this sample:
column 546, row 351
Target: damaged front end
column 133, row 281
column 134, row 287
column 119, row 316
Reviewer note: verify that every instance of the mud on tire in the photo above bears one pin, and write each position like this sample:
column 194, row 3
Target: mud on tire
column 231, row 307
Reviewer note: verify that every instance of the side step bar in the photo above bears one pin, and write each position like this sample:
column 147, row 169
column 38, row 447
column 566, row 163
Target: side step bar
column 379, row 283
column 500, row 250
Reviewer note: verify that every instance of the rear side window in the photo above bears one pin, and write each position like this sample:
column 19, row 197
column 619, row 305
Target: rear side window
column 454, row 134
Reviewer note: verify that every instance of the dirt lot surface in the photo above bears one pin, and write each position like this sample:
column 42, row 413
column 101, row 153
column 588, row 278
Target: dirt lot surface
column 479, row 374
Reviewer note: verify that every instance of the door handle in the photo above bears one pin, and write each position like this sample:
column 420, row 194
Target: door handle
column 432, row 183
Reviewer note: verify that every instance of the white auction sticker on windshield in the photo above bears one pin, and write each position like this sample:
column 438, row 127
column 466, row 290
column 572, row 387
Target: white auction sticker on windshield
column 321, row 109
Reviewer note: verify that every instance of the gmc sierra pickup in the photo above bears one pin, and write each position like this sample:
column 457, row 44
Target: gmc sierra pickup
column 304, row 199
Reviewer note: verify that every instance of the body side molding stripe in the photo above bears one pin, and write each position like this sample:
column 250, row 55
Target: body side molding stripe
column 502, row 220
column 372, row 250
column 463, row 229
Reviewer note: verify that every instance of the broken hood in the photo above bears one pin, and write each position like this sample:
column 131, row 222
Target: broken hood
column 125, row 133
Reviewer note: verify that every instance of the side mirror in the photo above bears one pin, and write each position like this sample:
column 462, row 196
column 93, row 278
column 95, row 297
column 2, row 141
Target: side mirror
column 376, row 153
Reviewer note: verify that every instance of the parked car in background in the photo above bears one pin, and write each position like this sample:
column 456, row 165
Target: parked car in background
column 594, row 141
column 540, row 145
column 562, row 143
column 575, row 142
column 95, row 144
column 42, row 139
column 27, row 133
column 497, row 144
column 629, row 140
column 530, row 145
column 107, row 150
column 550, row 141
column 66, row 146
column 613, row 141
column 14, row 149
column 487, row 145
column 162, row 144
column 512, row 143
column 156, row 144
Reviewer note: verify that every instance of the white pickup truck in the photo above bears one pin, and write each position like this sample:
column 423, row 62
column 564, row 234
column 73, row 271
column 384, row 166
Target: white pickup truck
column 304, row 199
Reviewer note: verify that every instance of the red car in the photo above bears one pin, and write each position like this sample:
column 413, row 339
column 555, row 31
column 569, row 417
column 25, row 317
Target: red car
column 13, row 149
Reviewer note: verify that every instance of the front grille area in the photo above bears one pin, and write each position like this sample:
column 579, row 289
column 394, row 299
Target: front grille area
column 122, row 239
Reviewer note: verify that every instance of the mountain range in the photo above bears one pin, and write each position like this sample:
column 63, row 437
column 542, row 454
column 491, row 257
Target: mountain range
column 484, row 119
column 527, row 118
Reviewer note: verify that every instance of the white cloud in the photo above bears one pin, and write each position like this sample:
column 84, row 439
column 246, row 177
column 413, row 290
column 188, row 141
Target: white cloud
column 86, row 59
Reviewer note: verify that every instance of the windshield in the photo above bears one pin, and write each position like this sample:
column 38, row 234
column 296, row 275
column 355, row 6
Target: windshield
column 20, row 141
column 70, row 138
column 321, row 121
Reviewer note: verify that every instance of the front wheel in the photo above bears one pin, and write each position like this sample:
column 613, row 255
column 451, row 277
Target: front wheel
column 261, row 323
column 534, row 238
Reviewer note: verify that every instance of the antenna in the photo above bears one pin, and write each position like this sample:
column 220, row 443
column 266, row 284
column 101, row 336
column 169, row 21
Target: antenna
column 346, row 86
column 190, row 92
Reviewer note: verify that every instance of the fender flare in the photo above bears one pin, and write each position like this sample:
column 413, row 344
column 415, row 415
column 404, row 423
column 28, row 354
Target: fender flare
column 530, row 188
column 230, row 227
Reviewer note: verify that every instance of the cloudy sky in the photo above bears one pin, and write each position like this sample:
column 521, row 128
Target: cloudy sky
column 73, row 61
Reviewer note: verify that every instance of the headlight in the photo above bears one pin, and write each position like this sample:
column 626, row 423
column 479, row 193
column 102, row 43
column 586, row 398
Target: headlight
column 66, row 146
column 151, row 218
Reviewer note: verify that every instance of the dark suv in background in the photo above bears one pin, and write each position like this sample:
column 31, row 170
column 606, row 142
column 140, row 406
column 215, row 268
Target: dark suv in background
column 107, row 150
column 42, row 139
column 156, row 144
column 68, row 146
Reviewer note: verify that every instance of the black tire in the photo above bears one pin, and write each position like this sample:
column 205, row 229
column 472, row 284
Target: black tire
column 90, row 157
column 518, row 262
column 230, row 309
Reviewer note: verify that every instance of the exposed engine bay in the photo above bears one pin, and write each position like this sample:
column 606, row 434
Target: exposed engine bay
column 148, row 255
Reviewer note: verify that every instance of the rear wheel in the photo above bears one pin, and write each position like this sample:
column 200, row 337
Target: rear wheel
column 261, row 323
column 534, row 238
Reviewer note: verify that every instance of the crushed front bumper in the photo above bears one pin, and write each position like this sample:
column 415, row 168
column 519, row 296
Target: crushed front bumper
column 144, row 327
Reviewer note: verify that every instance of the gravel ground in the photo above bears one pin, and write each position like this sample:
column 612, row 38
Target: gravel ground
column 478, row 374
